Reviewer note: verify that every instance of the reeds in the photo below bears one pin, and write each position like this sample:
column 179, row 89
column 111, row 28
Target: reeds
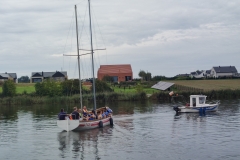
column 75, row 99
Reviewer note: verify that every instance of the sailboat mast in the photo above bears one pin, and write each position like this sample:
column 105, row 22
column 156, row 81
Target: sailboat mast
column 80, row 84
column 90, row 26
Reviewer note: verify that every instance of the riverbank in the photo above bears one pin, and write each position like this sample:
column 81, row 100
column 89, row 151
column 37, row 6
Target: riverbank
column 29, row 99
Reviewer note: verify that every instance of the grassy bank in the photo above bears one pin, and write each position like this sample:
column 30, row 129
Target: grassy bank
column 211, row 95
column 208, row 85
column 23, row 88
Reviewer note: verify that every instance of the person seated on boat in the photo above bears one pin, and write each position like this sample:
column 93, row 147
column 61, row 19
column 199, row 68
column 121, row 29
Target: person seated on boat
column 62, row 114
column 80, row 113
column 99, row 115
column 104, row 113
column 75, row 114
column 108, row 112
column 91, row 116
column 85, row 111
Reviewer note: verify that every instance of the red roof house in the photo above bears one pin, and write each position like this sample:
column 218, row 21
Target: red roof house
column 120, row 72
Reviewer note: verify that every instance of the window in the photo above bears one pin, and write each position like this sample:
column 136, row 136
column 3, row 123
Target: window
column 194, row 102
column 201, row 100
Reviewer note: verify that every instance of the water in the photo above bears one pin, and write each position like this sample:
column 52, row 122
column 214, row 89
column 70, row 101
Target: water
column 140, row 131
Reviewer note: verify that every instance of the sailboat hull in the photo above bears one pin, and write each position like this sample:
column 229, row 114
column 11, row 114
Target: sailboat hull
column 85, row 125
column 76, row 125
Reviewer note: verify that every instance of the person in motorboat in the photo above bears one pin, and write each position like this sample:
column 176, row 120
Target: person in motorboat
column 62, row 114
column 75, row 114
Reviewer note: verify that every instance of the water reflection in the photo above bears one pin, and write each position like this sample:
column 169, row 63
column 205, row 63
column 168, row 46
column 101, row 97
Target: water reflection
column 84, row 144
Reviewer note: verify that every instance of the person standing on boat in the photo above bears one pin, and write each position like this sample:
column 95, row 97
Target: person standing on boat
column 75, row 114
column 62, row 114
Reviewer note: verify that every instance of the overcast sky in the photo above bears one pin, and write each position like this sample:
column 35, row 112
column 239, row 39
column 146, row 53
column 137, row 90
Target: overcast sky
column 162, row 37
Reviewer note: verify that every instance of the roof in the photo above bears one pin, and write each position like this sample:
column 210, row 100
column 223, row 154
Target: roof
column 120, row 68
column 193, row 73
column 198, row 72
column 4, row 76
column 162, row 85
column 208, row 71
column 225, row 69
column 49, row 74
column 12, row 75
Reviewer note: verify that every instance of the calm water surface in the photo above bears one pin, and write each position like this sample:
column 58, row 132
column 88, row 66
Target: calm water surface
column 140, row 131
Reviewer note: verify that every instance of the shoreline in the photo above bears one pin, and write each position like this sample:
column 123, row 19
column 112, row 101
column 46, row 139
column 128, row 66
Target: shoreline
column 30, row 99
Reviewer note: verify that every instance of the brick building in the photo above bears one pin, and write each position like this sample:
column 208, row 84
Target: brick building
column 120, row 72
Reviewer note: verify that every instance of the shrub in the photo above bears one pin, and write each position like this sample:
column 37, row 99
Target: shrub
column 9, row 88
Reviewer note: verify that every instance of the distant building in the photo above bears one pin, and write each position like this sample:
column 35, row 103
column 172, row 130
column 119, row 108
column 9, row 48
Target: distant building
column 8, row 76
column 197, row 74
column 40, row 76
column 207, row 73
column 119, row 73
column 224, row 71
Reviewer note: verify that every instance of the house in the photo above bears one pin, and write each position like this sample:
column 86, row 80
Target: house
column 8, row 76
column 197, row 74
column 224, row 71
column 119, row 73
column 40, row 76
column 207, row 73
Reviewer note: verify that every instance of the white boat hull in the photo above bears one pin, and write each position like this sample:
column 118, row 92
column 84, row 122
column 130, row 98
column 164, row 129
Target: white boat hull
column 76, row 125
column 210, row 108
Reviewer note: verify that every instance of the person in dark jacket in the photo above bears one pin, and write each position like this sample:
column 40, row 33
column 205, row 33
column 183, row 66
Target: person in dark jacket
column 75, row 113
column 62, row 114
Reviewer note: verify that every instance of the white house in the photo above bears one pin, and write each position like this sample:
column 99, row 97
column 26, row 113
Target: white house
column 197, row 74
column 224, row 71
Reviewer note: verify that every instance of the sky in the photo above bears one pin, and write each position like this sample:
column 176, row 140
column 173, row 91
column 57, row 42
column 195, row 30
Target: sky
column 161, row 37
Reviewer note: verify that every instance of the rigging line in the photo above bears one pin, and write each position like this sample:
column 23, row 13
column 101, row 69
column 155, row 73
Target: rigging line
column 80, row 2
column 67, row 37
column 70, row 58
column 83, row 28
column 100, row 34
column 97, row 60
column 95, row 55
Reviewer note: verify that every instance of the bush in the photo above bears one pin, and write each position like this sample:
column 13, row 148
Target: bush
column 48, row 88
column 9, row 88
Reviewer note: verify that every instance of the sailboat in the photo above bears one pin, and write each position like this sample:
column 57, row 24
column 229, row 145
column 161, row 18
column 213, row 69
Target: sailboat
column 78, row 125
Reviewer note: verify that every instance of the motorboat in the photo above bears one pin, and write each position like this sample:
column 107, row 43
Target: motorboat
column 197, row 104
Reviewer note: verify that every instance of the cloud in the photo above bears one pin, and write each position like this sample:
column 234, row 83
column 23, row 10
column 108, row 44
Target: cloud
column 163, row 37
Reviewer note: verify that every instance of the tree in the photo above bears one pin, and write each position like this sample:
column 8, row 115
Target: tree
column 9, row 88
column 48, row 88
column 23, row 79
column 148, row 76
column 107, row 78
column 102, row 86
column 142, row 74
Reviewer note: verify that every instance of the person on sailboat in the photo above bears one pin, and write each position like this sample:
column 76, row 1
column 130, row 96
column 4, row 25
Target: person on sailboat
column 62, row 114
column 108, row 111
column 75, row 114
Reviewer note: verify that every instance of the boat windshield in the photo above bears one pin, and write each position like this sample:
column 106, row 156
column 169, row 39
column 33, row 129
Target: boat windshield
column 202, row 100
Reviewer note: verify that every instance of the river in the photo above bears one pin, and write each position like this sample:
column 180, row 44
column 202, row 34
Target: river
column 141, row 131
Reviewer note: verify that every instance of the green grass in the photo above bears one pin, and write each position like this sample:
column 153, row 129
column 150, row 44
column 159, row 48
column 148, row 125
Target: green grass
column 21, row 87
column 207, row 85
column 132, row 90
